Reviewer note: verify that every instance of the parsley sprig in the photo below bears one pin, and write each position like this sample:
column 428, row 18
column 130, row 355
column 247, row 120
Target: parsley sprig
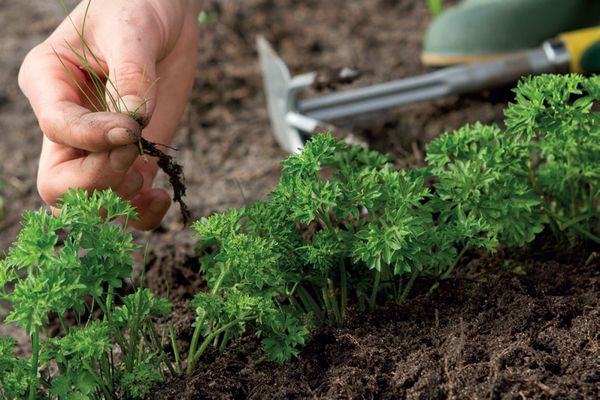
column 72, row 264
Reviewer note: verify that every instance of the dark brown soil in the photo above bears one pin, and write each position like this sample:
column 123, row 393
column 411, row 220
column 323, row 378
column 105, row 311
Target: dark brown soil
column 511, row 326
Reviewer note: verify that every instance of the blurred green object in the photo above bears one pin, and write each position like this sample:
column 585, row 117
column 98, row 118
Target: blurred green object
column 203, row 18
column 478, row 30
column 590, row 61
column 435, row 7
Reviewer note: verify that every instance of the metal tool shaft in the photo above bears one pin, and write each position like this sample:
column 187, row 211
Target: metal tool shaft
column 550, row 58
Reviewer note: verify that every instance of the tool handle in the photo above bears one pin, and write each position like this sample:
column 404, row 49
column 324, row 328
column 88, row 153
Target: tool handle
column 584, row 49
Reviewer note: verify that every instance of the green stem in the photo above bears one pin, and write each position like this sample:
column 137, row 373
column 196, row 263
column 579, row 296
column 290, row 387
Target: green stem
column 212, row 335
column 219, row 281
column 373, row 297
column 224, row 340
column 35, row 353
column 572, row 224
column 108, row 372
column 109, row 300
column 158, row 345
column 586, row 233
column 309, row 302
column 132, row 346
column 334, row 303
column 413, row 276
column 449, row 271
column 105, row 391
column 343, row 289
column 196, row 336
column 326, row 300
column 175, row 348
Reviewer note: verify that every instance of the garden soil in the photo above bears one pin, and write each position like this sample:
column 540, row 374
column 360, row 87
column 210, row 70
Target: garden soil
column 512, row 325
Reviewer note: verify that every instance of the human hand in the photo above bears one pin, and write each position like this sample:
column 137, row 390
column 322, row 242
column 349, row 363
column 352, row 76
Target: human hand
column 137, row 41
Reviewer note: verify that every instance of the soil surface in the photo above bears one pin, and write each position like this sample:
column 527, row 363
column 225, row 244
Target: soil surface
column 512, row 326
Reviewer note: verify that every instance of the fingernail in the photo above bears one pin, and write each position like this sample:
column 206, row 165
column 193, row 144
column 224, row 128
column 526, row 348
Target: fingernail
column 121, row 136
column 121, row 158
column 135, row 106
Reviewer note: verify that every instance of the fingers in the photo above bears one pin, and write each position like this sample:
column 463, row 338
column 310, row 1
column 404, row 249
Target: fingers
column 151, row 205
column 63, row 168
column 132, row 57
column 56, row 100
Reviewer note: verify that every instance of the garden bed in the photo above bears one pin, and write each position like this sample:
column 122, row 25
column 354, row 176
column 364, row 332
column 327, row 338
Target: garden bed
column 512, row 325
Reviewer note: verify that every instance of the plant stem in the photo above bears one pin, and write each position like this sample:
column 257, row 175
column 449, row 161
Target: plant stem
column 219, row 281
column 343, row 289
column 586, row 233
column 333, row 302
column 413, row 276
column 224, row 340
column 212, row 335
column 326, row 300
column 446, row 274
column 310, row 303
column 105, row 391
column 106, row 367
column 175, row 348
column 35, row 353
column 196, row 335
column 373, row 297
column 449, row 271
column 157, row 344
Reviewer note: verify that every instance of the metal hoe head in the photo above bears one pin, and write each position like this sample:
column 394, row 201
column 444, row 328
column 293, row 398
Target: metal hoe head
column 282, row 98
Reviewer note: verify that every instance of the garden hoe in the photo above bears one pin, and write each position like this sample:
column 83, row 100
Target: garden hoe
column 292, row 117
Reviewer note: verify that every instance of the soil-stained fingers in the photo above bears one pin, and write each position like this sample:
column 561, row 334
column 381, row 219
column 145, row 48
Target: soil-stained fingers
column 63, row 167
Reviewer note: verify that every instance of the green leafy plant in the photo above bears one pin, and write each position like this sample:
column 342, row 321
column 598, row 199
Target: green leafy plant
column 343, row 226
column 556, row 114
column 72, row 264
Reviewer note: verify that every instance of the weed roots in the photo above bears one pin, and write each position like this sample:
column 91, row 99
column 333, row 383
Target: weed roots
column 173, row 170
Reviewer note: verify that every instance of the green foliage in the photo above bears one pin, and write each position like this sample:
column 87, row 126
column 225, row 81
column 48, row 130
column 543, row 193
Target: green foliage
column 344, row 226
column 71, row 264
column 482, row 175
column 14, row 375
column 556, row 114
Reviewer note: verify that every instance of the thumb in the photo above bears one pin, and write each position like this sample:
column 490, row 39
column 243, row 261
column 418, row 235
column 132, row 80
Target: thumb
column 131, row 88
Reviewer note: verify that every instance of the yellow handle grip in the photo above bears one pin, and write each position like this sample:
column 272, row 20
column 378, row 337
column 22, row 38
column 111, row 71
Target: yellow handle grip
column 577, row 42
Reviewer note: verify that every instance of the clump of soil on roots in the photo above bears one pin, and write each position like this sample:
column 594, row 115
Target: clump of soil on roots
column 169, row 166
column 173, row 170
